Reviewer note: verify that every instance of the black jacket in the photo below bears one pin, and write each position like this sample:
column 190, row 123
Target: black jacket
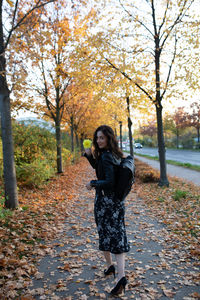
column 105, row 167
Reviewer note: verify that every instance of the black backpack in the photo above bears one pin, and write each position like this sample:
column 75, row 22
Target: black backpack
column 124, row 177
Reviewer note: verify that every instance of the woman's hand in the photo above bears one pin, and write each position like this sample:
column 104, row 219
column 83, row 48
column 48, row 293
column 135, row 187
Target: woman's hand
column 87, row 144
column 88, row 151
column 88, row 186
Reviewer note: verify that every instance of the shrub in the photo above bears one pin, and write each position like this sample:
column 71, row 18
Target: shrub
column 34, row 173
column 146, row 173
column 197, row 145
column 76, row 155
column 35, row 154
column 31, row 141
column 67, row 157
column 149, row 175
column 187, row 141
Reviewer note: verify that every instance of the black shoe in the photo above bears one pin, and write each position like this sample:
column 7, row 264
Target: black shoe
column 110, row 270
column 120, row 286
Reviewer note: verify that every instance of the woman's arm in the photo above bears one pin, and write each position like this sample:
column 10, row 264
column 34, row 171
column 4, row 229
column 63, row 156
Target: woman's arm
column 91, row 159
column 109, row 172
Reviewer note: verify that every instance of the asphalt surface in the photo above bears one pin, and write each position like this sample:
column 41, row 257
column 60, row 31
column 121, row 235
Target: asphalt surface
column 181, row 172
column 157, row 266
column 183, row 156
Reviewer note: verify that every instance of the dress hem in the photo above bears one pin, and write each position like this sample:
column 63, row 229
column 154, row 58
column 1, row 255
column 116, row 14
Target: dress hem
column 114, row 252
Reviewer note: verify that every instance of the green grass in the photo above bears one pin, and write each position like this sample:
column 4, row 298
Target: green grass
column 179, row 194
column 173, row 162
column 3, row 211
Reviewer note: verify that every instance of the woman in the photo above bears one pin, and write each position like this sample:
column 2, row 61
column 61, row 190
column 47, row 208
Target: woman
column 109, row 211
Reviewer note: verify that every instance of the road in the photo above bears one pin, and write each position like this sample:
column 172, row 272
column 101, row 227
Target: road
column 183, row 156
column 184, row 173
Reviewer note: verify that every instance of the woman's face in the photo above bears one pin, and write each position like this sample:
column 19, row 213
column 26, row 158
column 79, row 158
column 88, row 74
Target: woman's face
column 101, row 140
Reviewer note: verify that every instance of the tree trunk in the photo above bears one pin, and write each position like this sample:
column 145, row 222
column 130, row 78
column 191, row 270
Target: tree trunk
column 129, row 126
column 177, row 138
column 115, row 131
column 10, row 182
column 120, row 134
column 81, row 141
column 76, row 136
column 161, row 143
column 161, row 148
column 198, row 136
column 59, row 147
column 130, row 136
column 72, row 134
column 77, row 140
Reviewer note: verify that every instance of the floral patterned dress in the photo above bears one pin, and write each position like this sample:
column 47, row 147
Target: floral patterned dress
column 109, row 218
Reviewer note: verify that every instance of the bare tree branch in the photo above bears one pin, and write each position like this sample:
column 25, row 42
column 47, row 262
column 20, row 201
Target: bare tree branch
column 135, row 19
column 164, row 18
column 14, row 14
column 129, row 78
column 48, row 102
column 65, row 87
column 170, row 68
column 178, row 20
column 154, row 19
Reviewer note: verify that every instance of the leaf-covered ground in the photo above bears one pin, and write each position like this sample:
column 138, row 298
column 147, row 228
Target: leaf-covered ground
column 49, row 248
column 178, row 206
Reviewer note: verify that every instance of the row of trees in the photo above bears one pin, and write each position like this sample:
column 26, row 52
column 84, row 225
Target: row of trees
column 148, row 32
column 12, row 16
column 63, row 64
column 39, row 44
column 176, row 124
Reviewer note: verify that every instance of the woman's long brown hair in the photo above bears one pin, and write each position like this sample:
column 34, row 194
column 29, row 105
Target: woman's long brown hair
column 111, row 140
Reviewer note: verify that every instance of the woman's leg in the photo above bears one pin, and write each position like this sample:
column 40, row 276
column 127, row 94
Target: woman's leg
column 108, row 258
column 120, row 258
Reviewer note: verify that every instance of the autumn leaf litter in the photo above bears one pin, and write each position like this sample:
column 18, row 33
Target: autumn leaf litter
column 49, row 248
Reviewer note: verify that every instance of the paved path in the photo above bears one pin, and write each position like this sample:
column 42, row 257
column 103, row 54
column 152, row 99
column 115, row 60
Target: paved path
column 181, row 172
column 156, row 269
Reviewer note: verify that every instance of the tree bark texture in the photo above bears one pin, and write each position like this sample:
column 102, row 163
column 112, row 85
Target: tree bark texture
column 76, row 135
column 129, row 126
column 120, row 134
column 177, row 138
column 161, row 142
column 77, row 141
column 10, row 182
column 81, row 142
column 161, row 148
column 72, row 134
column 59, row 147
